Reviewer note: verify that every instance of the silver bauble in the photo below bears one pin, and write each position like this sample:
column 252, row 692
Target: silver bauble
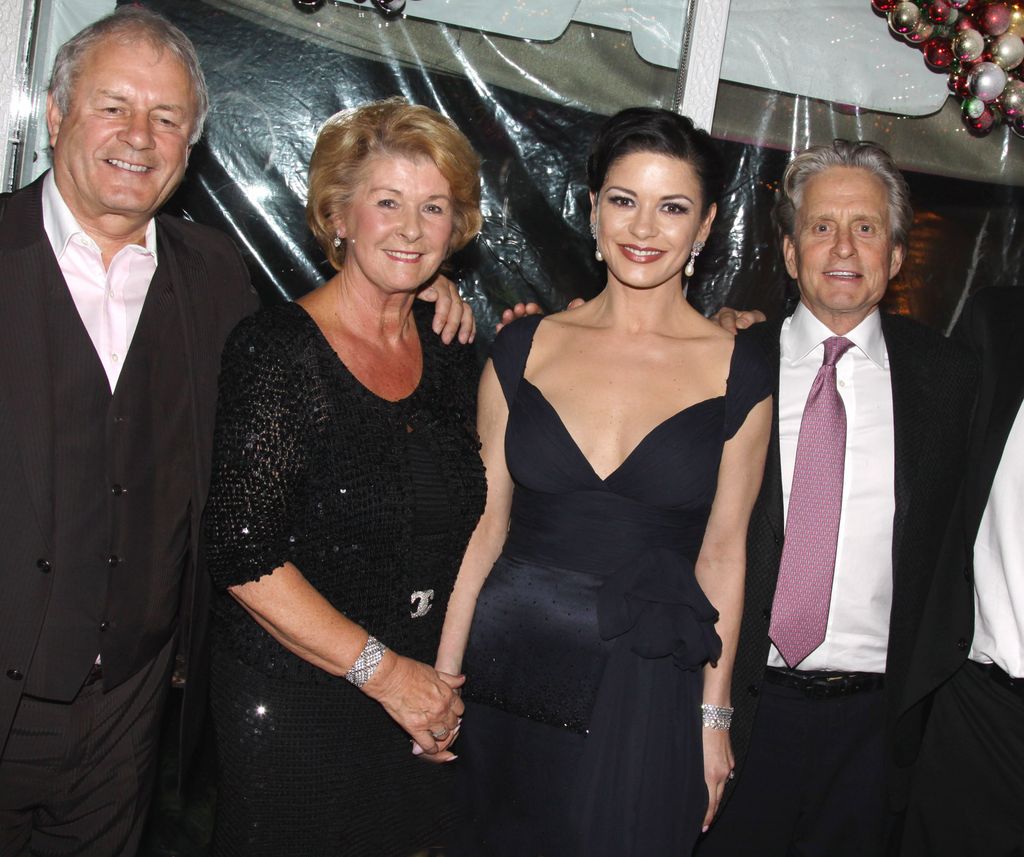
column 922, row 32
column 972, row 107
column 1007, row 51
column 986, row 80
column 968, row 45
column 1013, row 99
column 904, row 17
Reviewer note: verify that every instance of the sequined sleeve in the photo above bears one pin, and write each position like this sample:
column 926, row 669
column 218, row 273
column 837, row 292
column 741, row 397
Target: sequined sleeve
column 259, row 457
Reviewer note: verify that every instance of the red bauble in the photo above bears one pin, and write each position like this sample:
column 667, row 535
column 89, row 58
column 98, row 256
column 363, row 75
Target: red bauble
column 981, row 126
column 939, row 11
column 958, row 84
column 883, row 7
column 964, row 22
column 937, row 53
column 994, row 19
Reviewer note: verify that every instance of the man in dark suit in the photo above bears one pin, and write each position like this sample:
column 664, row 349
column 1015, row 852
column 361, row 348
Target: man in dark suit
column 114, row 319
column 871, row 416
column 966, row 673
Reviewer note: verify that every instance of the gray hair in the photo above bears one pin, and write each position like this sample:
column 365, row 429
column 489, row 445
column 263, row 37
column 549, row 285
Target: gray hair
column 844, row 153
column 129, row 24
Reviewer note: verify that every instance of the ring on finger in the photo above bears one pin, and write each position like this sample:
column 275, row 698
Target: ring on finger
column 732, row 775
column 440, row 734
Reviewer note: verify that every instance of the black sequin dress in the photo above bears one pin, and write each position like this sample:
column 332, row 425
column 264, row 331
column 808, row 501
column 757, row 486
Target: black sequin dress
column 582, row 737
column 374, row 502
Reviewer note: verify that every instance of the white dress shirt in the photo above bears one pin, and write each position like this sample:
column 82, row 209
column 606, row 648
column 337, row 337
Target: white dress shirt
column 857, row 633
column 999, row 564
column 108, row 301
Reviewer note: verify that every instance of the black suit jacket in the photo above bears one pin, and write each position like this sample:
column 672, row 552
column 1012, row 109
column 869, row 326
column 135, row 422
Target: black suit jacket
column 208, row 271
column 990, row 326
column 932, row 388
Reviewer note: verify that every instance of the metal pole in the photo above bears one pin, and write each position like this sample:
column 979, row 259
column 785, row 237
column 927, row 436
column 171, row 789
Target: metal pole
column 684, row 54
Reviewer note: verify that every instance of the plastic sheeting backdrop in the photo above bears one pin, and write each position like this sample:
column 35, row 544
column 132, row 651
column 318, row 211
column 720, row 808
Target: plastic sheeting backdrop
column 275, row 74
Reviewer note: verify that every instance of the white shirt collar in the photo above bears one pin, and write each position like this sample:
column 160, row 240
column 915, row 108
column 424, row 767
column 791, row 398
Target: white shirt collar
column 806, row 332
column 61, row 226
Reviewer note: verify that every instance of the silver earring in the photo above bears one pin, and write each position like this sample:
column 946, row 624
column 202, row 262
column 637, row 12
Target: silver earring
column 694, row 253
column 337, row 241
column 597, row 252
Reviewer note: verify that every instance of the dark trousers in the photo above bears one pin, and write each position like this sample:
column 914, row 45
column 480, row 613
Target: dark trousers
column 813, row 783
column 967, row 795
column 76, row 778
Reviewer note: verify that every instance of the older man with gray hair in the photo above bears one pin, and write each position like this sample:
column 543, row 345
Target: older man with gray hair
column 114, row 320
column 871, row 418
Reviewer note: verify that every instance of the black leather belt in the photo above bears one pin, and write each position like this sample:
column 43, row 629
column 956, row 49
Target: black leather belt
column 824, row 685
column 1015, row 685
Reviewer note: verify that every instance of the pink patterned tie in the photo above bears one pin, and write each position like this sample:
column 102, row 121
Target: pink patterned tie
column 804, row 589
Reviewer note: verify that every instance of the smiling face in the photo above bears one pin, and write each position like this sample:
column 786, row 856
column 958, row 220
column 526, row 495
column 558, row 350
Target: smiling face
column 121, row 149
column 648, row 217
column 398, row 227
column 842, row 254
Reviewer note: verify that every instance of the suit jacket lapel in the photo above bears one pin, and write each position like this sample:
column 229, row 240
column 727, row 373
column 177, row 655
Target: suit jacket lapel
column 28, row 273
column 771, row 486
column 187, row 272
column 910, row 378
column 997, row 409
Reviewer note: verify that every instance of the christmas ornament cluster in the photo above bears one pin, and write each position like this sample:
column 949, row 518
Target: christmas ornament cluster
column 978, row 44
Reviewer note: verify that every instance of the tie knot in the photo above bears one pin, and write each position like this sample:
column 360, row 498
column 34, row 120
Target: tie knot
column 835, row 347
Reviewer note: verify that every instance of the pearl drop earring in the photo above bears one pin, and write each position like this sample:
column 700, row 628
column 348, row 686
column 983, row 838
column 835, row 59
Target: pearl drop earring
column 597, row 250
column 694, row 253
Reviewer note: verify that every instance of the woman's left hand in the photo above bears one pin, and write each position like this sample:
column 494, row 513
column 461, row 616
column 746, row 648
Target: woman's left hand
column 718, row 765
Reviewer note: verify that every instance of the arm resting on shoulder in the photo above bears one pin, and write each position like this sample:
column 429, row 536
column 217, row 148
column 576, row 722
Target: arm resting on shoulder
column 452, row 315
column 721, row 568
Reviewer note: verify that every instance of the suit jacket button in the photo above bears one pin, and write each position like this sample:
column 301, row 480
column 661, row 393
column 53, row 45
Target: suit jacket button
column 104, row 625
column 766, row 614
column 117, row 490
column 113, row 560
column 961, row 644
column 14, row 674
column 43, row 565
column 753, row 690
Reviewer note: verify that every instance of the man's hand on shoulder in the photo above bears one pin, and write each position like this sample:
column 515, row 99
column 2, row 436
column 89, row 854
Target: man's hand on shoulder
column 453, row 317
column 735, row 320
column 530, row 308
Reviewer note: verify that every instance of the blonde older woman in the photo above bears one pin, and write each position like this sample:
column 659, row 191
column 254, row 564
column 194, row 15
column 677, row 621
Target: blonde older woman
column 346, row 485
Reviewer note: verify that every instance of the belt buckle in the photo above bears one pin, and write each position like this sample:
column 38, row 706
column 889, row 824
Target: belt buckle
column 825, row 687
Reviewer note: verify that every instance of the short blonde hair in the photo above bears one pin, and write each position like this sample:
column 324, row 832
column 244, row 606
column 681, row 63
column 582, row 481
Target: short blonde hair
column 393, row 127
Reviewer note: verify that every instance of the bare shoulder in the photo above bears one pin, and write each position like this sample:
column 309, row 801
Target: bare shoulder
column 577, row 317
column 713, row 333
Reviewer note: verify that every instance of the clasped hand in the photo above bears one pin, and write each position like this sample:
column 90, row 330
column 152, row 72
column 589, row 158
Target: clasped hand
column 422, row 700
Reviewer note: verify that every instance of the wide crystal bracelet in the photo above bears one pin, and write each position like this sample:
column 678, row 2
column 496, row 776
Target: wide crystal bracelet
column 716, row 716
column 367, row 662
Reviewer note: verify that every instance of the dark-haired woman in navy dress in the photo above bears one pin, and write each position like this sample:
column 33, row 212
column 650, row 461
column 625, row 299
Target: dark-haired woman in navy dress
column 599, row 602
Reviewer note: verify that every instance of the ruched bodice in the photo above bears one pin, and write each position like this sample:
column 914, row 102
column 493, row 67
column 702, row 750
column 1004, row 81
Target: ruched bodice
column 592, row 623
column 542, row 455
